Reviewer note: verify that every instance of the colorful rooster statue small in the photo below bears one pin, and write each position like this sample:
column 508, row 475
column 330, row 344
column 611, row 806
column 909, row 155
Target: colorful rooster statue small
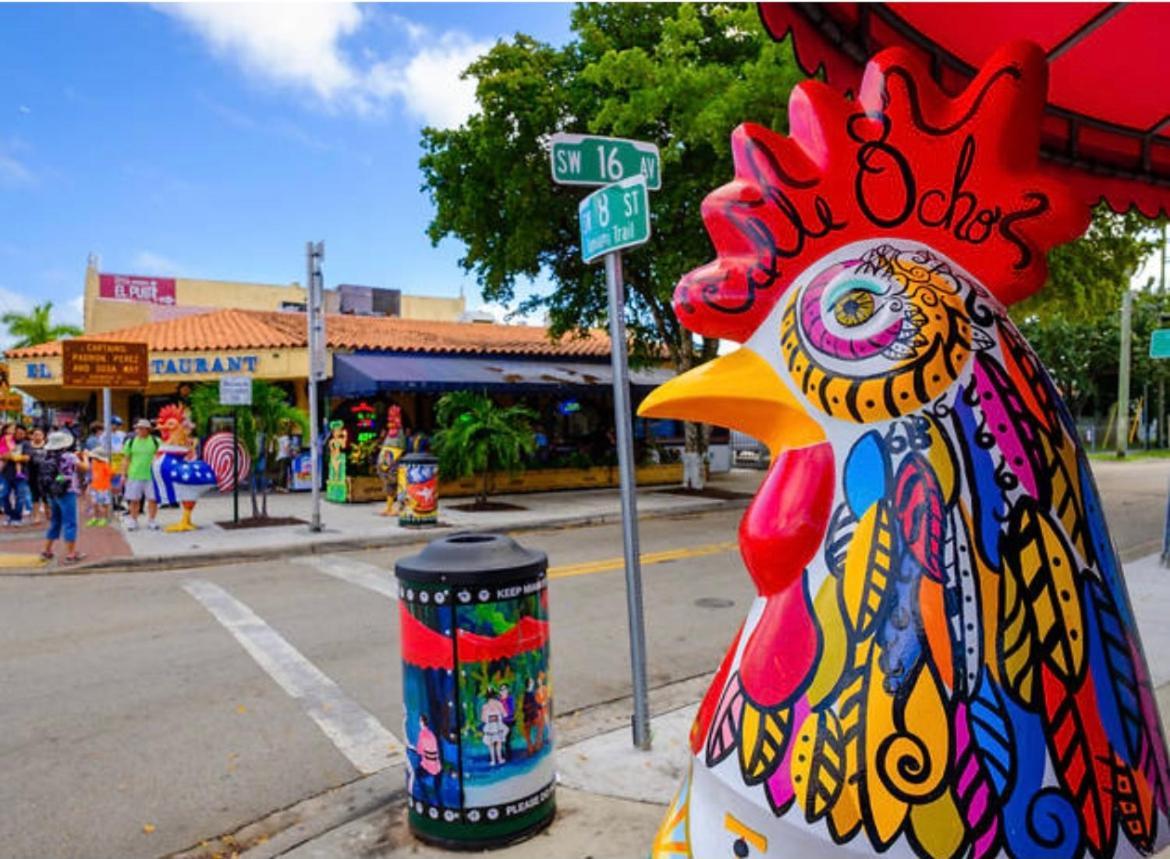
column 942, row 660
column 178, row 472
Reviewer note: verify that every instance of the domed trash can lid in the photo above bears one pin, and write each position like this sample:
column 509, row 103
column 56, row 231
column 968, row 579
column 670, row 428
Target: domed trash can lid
column 469, row 558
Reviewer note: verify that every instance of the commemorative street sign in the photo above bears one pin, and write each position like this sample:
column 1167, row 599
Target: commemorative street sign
column 1160, row 343
column 235, row 390
column 614, row 217
column 103, row 364
column 582, row 159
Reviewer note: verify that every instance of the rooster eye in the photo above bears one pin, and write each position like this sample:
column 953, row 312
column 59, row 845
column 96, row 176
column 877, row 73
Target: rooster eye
column 854, row 307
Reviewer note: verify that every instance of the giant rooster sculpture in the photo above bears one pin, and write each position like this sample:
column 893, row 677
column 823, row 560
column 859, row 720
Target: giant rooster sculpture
column 181, row 475
column 942, row 660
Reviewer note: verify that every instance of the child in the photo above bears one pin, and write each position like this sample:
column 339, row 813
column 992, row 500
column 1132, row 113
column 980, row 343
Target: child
column 100, row 476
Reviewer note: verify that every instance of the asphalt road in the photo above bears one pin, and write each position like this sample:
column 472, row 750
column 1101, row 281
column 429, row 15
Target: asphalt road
column 127, row 704
column 144, row 712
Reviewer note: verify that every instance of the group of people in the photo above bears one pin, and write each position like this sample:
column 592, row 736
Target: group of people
column 497, row 716
column 55, row 476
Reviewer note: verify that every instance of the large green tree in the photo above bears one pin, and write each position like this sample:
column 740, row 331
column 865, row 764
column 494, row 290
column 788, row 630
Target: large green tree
column 682, row 76
column 36, row 326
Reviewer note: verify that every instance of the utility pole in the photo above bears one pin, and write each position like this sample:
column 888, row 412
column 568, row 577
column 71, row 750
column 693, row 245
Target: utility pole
column 1123, row 373
column 314, row 253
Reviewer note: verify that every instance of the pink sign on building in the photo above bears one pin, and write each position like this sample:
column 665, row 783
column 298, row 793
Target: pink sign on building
column 132, row 287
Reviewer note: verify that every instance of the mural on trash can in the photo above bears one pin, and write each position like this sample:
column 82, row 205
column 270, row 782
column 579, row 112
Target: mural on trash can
column 501, row 696
column 431, row 725
column 418, row 491
column 505, row 696
column 942, row 660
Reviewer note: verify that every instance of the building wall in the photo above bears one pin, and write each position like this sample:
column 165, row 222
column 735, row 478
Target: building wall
column 195, row 296
column 431, row 308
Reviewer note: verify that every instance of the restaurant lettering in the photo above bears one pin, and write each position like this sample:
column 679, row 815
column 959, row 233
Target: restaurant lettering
column 203, row 366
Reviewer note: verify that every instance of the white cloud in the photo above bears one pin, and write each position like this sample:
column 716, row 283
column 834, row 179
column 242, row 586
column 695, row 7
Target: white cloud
column 151, row 263
column 72, row 312
column 286, row 43
column 13, row 171
column 25, row 109
column 428, row 82
column 300, row 46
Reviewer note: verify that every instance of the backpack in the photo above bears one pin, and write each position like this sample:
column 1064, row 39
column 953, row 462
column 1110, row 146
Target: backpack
column 54, row 483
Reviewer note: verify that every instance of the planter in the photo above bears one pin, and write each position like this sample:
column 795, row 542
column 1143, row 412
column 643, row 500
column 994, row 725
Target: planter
column 365, row 489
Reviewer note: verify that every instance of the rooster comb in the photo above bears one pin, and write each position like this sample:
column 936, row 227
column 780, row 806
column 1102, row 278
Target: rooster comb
column 902, row 160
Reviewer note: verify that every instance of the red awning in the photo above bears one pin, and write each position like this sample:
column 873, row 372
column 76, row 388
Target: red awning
column 423, row 647
column 1107, row 125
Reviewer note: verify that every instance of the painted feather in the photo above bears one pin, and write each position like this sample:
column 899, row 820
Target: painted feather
column 780, row 788
column 818, row 764
column 838, row 538
column 763, row 737
column 1112, row 671
column 899, row 635
column 1029, row 380
column 974, row 792
column 979, row 469
column 991, row 732
column 1135, row 805
column 1008, row 420
column 963, row 604
column 725, row 726
column 845, row 813
column 868, row 567
column 1042, row 620
column 866, row 474
column 1081, row 756
column 1060, row 492
column 919, row 502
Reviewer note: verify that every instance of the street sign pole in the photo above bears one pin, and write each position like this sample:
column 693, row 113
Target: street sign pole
column 107, row 418
column 314, row 253
column 1123, row 375
column 614, row 217
column 625, row 445
column 235, row 468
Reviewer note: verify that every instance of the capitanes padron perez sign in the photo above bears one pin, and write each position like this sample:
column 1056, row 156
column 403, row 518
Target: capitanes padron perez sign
column 104, row 364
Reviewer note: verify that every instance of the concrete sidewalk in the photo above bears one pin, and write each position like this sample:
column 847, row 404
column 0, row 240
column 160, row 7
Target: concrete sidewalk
column 358, row 526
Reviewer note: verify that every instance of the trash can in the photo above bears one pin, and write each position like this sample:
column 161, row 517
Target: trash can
column 418, row 490
column 473, row 619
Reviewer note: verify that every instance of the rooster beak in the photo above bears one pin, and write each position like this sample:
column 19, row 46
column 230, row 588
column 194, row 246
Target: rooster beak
column 741, row 391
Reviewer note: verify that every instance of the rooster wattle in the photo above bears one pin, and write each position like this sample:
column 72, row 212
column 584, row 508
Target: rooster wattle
column 942, row 660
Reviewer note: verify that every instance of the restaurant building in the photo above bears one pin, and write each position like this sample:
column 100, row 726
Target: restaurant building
column 372, row 363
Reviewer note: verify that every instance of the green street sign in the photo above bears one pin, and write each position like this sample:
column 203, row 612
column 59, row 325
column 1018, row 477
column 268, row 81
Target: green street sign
column 614, row 217
column 1160, row 343
column 581, row 159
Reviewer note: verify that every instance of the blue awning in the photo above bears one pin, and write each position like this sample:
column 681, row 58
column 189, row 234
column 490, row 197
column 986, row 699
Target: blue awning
column 358, row 374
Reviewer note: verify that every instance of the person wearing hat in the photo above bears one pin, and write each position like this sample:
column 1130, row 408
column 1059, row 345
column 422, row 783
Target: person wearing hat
column 137, row 469
column 58, row 473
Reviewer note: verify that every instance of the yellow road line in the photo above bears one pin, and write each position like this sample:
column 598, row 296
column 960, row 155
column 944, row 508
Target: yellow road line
column 589, row 567
column 15, row 561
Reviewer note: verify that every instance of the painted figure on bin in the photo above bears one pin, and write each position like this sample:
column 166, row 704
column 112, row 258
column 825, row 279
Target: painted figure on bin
column 178, row 471
column 942, row 660
column 390, row 450
column 493, row 714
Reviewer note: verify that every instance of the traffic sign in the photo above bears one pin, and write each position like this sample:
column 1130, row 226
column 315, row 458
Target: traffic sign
column 614, row 217
column 581, row 159
column 235, row 390
column 1160, row 343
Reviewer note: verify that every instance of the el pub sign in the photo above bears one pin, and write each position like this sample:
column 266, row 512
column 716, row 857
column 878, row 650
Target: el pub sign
column 103, row 364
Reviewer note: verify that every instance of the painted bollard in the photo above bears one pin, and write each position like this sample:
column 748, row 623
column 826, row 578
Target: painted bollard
column 418, row 489
column 477, row 699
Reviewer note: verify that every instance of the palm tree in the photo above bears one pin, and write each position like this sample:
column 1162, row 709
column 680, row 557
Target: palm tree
column 477, row 436
column 36, row 327
column 257, row 425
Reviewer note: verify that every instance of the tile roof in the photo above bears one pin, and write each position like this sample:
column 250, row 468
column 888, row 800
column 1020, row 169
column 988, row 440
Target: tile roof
column 252, row 329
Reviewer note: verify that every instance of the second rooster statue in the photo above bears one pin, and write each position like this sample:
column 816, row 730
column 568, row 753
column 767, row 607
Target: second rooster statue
column 942, row 660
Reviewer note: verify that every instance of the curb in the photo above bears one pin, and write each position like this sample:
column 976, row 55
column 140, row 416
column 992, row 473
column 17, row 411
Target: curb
column 143, row 563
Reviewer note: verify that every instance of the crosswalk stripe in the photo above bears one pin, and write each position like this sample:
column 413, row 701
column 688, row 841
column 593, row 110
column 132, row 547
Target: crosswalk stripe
column 355, row 732
column 355, row 572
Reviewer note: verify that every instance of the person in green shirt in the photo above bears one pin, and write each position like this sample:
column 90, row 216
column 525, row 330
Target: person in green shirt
column 137, row 469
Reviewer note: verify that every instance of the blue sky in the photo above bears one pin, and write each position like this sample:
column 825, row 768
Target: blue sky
column 213, row 141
